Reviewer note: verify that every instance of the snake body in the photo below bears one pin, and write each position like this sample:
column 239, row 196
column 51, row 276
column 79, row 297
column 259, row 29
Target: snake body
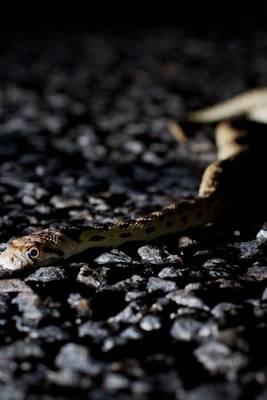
column 253, row 104
column 216, row 190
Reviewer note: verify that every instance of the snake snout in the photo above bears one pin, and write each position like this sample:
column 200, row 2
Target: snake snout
column 9, row 263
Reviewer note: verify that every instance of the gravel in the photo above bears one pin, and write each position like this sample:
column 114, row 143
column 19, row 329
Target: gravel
column 84, row 126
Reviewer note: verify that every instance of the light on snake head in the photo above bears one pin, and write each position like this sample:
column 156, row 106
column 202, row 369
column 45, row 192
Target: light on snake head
column 19, row 255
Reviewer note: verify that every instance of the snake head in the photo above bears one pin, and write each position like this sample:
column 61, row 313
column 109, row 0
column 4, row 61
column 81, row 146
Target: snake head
column 34, row 250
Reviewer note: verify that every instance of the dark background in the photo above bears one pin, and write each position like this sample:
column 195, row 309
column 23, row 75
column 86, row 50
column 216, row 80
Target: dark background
column 87, row 95
column 195, row 16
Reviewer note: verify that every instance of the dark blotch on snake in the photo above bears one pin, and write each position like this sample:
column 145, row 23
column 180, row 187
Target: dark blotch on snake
column 125, row 235
column 97, row 238
column 184, row 219
column 200, row 214
column 151, row 229
column 187, row 206
column 143, row 220
column 73, row 233
column 169, row 224
column 58, row 252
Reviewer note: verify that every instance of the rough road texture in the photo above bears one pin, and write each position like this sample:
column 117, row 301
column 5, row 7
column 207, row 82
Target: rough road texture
column 84, row 138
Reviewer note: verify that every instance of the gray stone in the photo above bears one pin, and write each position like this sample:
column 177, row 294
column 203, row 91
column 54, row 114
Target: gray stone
column 114, row 256
column 215, row 391
column 13, row 286
column 76, row 357
column 155, row 284
column 85, row 277
column 183, row 298
column 170, row 272
column 46, row 275
column 12, row 391
column 68, row 378
column 153, row 255
column 257, row 272
column 49, row 334
column 114, row 382
column 150, row 323
column 247, row 250
column 93, row 329
column 214, row 263
column 262, row 234
column 186, row 329
column 218, row 358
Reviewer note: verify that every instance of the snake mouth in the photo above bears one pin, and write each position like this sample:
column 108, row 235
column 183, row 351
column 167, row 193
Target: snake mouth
column 4, row 272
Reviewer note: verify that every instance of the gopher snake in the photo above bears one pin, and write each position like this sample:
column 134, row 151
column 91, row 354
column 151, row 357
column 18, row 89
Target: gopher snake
column 221, row 183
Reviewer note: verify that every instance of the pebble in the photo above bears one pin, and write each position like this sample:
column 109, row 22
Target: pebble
column 262, row 395
column 183, row 298
column 186, row 242
column 4, row 303
column 247, row 250
column 262, row 234
column 126, row 338
column 8, row 370
column 29, row 305
column 133, row 295
column 150, row 323
column 141, row 388
column 170, row 272
column 75, row 357
column 218, row 358
column 186, row 329
column 114, row 382
column 155, row 255
column 68, row 378
column 115, row 256
column 93, row 330
column 155, row 284
column 12, row 392
column 131, row 284
column 85, row 276
column 215, row 263
column 215, row 391
column 47, row 275
column 131, row 314
column 49, row 334
column 223, row 311
column 257, row 272
column 13, row 286
column 264, row 295
column 80, row 304
column 22, row 350
column 131, row 333
column 64, row 202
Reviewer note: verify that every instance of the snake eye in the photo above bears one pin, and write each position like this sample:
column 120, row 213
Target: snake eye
column 33, row 253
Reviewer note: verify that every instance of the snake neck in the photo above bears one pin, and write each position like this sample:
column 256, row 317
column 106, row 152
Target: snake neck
column 173, row 219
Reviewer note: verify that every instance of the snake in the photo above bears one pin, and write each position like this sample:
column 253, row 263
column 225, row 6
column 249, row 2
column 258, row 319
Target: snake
column 220, row 186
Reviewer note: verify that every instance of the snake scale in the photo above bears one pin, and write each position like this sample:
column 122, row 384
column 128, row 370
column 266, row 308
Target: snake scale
column 224, row 182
